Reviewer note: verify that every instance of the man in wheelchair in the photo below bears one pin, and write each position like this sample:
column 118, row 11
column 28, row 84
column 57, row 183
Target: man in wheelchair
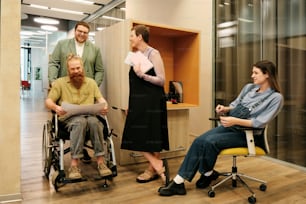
column 78, row 89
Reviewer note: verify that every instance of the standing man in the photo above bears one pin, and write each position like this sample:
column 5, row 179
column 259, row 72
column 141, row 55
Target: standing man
column 81, row 46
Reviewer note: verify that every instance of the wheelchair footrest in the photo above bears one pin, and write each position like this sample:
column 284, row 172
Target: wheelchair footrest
column 98, row 177
column 68, row 180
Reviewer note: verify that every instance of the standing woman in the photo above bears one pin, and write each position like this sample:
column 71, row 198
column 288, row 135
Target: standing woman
column 146, row 127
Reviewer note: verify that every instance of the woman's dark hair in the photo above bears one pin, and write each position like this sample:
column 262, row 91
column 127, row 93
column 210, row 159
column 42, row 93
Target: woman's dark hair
column 267, row 67
column 142, row 30
column 83, row 24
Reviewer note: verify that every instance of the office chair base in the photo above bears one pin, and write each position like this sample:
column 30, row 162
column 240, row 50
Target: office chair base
column 238, row 177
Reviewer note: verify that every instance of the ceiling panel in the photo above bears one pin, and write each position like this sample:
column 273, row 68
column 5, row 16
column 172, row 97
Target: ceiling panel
column 67, row 5
column 90, row 13
column 100, row 1
column 49, row 13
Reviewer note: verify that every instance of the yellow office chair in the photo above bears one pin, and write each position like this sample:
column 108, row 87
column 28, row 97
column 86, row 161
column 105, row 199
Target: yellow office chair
column 251, row 150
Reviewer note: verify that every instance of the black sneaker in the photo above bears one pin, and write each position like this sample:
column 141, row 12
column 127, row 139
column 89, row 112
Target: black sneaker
column 172, row 189
column 204, row 181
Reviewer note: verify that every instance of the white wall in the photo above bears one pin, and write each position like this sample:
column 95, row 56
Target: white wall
column 192, row 14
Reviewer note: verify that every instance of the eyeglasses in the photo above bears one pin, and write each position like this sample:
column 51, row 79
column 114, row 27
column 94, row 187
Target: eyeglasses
column 82, row 32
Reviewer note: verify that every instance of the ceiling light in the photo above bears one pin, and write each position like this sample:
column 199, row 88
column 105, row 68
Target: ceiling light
column 81, row 1
column 227, row 24
column 67, row 11
column 112, row 18
column 43, row 32
column 25, row 32
column 46, row 20
column 49, row 27
column 24, row 37
column 100, row 28
column 35, row 40
column 38, row 6
column 56, row 9
column 245, row 20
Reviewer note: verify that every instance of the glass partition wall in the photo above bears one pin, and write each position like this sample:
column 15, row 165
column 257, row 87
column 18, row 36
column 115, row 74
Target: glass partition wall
column 251, row 30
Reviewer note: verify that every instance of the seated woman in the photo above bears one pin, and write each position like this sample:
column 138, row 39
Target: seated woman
column 257, row 104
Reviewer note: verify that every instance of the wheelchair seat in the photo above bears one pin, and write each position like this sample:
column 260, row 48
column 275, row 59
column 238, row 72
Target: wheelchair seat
column 54, row 136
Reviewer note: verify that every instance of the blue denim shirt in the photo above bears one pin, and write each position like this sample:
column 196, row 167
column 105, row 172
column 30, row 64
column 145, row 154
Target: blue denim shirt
column 265, row 111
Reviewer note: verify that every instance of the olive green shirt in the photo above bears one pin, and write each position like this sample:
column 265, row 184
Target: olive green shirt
column 63, row 90
column 92, row 60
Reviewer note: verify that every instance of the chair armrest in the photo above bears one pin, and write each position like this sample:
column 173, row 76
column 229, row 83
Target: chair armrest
column 250, row 141
column 249, row 133
column 249, row 136
column 249, row 128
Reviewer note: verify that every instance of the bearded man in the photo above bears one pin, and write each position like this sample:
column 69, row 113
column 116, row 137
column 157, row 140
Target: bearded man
column 78, row 89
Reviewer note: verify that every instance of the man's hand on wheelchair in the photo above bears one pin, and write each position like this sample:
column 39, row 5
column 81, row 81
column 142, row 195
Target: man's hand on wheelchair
column 104, row 111
column 59, row 110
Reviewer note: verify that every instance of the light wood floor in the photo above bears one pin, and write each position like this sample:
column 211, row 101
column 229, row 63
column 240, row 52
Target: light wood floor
column 286, row 184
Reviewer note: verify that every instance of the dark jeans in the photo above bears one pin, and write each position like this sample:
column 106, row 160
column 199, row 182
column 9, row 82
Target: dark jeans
column 204, row 150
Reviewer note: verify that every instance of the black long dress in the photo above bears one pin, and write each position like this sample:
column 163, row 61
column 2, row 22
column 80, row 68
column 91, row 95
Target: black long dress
column 146, row 126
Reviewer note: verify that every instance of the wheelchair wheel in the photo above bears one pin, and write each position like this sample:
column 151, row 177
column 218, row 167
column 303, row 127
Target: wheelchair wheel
column 109, row 158
column 47, row 148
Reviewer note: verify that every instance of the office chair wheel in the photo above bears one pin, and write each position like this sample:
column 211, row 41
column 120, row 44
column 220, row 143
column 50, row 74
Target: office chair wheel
column 252, row 199
column 47, row 149
column 263, row 187
column 211, row 193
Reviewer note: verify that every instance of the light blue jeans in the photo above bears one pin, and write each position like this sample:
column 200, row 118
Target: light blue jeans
column 79, row 126
column 204, row 150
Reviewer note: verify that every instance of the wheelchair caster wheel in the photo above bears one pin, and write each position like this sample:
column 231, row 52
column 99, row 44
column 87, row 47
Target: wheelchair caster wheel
column 105, row 185
column 211, row 193
column 57, row 180
column 252, row 199
column 263, row 187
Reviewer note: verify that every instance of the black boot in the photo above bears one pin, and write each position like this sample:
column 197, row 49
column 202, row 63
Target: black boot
column 172, row 189
column 204, row 181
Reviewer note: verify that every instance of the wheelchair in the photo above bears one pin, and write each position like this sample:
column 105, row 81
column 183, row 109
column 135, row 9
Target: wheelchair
column 53, row 151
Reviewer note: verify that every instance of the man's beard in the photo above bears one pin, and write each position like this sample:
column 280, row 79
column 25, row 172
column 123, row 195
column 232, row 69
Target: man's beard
column 77, row 79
